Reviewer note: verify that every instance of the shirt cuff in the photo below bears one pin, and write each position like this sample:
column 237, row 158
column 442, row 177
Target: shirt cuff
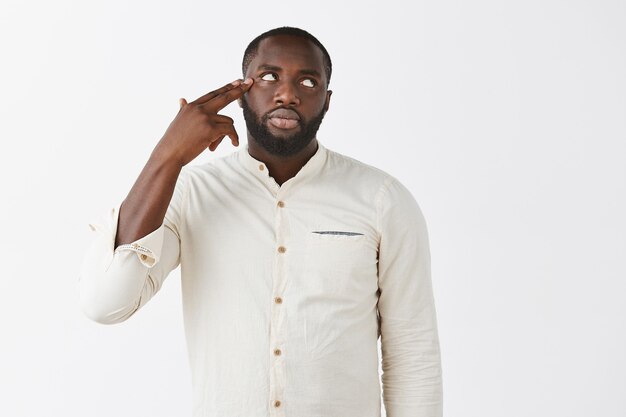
column 147, row 248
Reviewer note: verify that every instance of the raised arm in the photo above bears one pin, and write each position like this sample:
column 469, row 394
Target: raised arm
column 138, row 245
column 196, row 127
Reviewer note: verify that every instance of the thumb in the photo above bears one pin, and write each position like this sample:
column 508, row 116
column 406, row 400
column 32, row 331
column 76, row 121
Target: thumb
column 182, row 102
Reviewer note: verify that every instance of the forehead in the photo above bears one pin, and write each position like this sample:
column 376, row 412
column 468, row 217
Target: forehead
column 289, row 52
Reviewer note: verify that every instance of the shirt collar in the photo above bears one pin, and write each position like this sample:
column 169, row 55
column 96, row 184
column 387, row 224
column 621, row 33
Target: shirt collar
column 259, row 169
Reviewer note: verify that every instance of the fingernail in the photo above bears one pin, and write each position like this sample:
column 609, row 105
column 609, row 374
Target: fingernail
column 236, row 82
column 248, row 81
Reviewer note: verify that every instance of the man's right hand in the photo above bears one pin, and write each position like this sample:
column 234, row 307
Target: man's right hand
column 197, row 125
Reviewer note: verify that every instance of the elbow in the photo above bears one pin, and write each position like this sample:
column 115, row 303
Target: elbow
column 103, row 312
column 104, row 299
column 111, row 290
column 98, row 316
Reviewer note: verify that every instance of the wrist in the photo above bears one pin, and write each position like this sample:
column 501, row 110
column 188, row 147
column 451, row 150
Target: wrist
column 164, row 157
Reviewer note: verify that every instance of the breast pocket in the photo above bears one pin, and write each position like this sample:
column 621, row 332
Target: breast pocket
column 340, row 260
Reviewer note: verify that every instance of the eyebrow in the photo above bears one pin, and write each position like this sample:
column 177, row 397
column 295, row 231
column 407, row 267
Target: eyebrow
column 305, row 71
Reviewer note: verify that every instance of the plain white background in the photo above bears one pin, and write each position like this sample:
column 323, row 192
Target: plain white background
column 507, row 121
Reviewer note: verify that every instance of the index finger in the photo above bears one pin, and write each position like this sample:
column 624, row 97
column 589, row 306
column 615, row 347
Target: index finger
column 208, row 96
column 220, row 101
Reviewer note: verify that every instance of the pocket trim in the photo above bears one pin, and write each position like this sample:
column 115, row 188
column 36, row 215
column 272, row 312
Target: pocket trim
column 337, row 233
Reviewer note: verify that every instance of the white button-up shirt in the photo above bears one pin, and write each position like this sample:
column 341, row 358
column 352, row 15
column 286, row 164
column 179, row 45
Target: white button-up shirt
column 286, row 289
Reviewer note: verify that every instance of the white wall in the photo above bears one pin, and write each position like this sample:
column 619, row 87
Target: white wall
column 505, row 119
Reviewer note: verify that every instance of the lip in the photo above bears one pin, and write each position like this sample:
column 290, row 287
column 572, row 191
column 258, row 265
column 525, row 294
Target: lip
column 283, row 123
column 284, row 114
column 284, row 119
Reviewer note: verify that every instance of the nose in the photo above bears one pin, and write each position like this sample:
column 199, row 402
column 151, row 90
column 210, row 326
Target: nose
column 286, row 94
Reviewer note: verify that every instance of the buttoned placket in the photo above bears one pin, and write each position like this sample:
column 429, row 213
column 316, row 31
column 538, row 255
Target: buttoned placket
column 279, row 282
column 278, row 346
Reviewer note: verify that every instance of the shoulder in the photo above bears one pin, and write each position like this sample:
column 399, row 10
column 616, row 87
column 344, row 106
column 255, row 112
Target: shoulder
column 212, row 169
column 361, row 172
column 342, row 164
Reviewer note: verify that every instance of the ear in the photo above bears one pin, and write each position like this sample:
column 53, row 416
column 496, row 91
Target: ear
column 327, row 104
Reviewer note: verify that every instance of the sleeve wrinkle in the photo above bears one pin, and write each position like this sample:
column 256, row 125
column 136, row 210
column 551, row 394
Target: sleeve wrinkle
column 411, row 363
column 115, row 283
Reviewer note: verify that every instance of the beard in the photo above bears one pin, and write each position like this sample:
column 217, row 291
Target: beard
column 280, row 145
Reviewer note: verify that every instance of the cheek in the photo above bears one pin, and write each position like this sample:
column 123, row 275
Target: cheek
column 261, row 88
column 250, row 99
column 321, row 100
column 257, row 96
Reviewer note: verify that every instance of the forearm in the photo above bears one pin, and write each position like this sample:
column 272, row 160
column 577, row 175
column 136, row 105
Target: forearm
column 116, row 280
column 144, row 208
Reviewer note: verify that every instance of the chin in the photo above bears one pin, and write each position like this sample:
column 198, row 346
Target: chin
column 283, row 135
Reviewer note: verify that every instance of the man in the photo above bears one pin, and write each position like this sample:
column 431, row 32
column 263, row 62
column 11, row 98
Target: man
column 294, row 258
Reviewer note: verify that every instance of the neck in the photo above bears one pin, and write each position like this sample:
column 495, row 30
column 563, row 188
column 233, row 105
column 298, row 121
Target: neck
column 282, row 168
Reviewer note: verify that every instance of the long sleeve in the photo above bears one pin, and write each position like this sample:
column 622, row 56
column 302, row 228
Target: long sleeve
column 411, row 360
column 114, row 284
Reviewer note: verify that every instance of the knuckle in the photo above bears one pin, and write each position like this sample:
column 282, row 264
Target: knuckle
column 194, row 107
column 231, row 94
column 202, row 115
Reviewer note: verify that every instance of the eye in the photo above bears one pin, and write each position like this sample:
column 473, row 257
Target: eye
column 265, row 75
column 308, row 82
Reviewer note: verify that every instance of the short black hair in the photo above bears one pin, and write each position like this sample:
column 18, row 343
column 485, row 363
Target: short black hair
column 253, row 47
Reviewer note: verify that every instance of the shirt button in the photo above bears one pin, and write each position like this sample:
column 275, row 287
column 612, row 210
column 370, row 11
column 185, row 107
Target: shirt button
column 143, row 256
column 278, row 300
column 277, row 352
column 261, row 167
column 281, row 204
column 282, row 249
column 277, row 403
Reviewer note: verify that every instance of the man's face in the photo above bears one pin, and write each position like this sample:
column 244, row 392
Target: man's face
column 288, row 99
